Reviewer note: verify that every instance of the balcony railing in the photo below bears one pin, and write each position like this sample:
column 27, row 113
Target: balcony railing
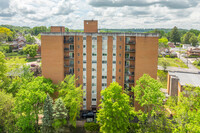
column 130, row 58
column 130, row 50
column 70, row 40
column 129, row 73
column 69, row 65
column 67, row 49
column 130, row 66
column 68, row 57
column 129, row 81
column 69, row 73
column 130, row 42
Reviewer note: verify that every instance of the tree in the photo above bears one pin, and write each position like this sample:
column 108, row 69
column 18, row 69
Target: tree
column 164, row 64
column 29, row 101
column 59, row 115
column 47, row 119
column 193, row 40
column 186, row 37
column 6, row 34
column 7, row 118
column 175, row 35
column 163, row 42
column 72, row 96
column 115, row 111
column 31, row 50
column 186, row 110
column 198, row 38
column 30, row 39
column 3, row 67
column 147, row 93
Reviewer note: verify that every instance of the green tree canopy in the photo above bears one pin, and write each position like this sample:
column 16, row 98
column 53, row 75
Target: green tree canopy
column 115, row 111
column 175, row 35
column 193, row 40
column 186, row 37
column 72, row 96
column 163, row 42
column 31, row 50
column 6, row 34
column 30, row 39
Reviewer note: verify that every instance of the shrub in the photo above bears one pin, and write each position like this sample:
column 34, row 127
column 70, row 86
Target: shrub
column 193, row 56
column 167, row 56
column 91, row 126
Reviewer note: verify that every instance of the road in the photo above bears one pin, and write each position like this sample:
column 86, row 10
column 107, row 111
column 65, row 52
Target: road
column 190, row 68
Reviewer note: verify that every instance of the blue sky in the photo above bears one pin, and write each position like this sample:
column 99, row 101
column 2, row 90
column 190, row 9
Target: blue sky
column 110, row 13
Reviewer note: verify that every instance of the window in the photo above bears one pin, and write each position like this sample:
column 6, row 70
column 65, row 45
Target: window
column 113, row 69
column 104, row 38
column 84, row 69
column 120, row 55
column 104, row 84
column 104, row 62
column 84, row 46
column 94, row 61
column 78, row 54
column 71, row 62
column 84, row 61
column 114, row 38
column 94, row 46
column 71, row 54
column 78, row 46
column 113, row 77
column 119, row 78
column 127, row 39
column 114, row 54
column 93, row 69
column 127, row 47
column 93, row 84
column 120, row 39
column 71, row 47
column 93, row 77
column 120, row 47
column 104, row 54
column 103, row 69
column 104, row 77
column 78, row 69
column 119, row 62
column 84, row 99
column 94, row 54
column 84, row 54
column 84, row 84
column 78, row 62
column 78, row 38
column 93, row 99
column 84, row 77
column 78, row 77
column 114, row 46
column 104, row 47
column 127, row 55
column 84, row 38
column 93, row 91
column 119, row 70
column 94, row 38
column 114, row 62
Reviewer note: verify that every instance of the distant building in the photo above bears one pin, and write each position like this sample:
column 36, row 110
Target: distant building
column 18, row 43
column 186, row 46
column 97, row 59
column 171, row 45
column 176, row 82
column 193, row 51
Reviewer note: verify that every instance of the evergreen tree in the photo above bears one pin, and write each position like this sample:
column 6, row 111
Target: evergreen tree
column 175, row 36
column 47, row 120
column 60, row 114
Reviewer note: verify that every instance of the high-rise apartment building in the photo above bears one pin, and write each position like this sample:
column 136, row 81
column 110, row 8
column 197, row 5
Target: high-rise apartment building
column 97, row 59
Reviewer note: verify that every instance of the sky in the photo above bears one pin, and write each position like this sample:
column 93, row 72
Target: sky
column 111, row 14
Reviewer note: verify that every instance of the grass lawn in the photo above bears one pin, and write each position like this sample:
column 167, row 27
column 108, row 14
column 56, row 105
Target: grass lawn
column 173, row 62
column 196, row 64
column 32, row 59
column 162, row 78
column 14, row 54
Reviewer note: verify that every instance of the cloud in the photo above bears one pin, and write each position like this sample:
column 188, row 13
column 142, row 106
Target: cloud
column 64, row 7
column 4, row 4
column 173, row 4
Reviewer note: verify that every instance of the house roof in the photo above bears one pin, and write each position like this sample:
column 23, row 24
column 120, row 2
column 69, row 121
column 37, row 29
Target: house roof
column 187, row 78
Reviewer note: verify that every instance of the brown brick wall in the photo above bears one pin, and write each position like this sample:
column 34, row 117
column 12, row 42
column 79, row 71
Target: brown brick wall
column 109, row 59
column 99, row 68
column 57, row 29
column 120, row 56
column 52, row 57
column 91, row 26
column 89, row 72
column 146, row 58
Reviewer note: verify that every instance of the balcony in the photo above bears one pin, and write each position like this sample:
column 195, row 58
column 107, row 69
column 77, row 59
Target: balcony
column 129, row 81
column 67, row 49
column 69, row 65
column 130, row 66
column 130, row 42
column 130, row 50
column 129, row 73
column 69, row 73
column 69, row 40
column 130, row 58
column 68, row 57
